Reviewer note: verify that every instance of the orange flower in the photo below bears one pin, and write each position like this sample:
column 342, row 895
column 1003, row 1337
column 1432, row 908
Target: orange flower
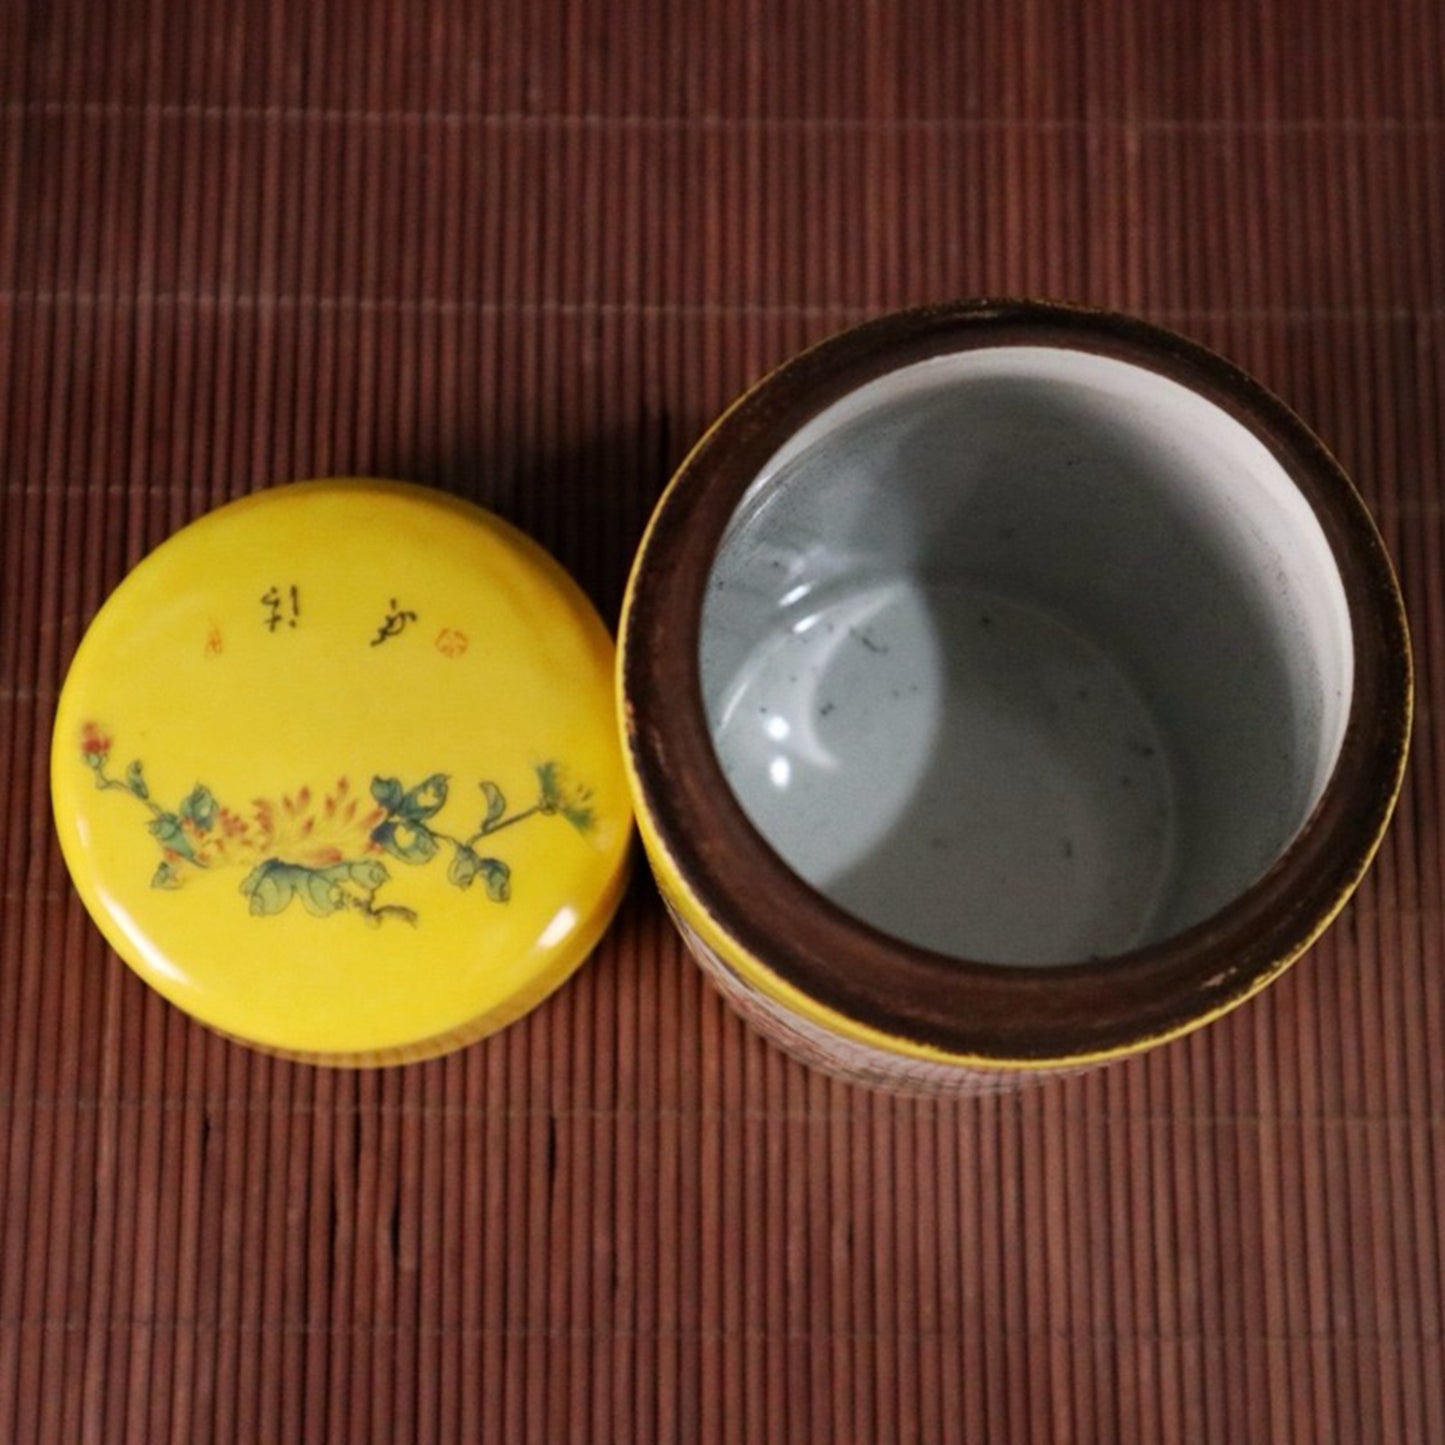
column 94, row 744
column 297, row 828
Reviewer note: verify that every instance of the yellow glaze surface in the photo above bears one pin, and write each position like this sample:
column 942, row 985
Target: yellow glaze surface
column 334, row 770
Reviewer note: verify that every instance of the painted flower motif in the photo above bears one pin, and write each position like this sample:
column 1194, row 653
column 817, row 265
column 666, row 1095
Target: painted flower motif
column 301, row 828
column 94, row 745
column 296, row 828
column 327, row 852
column 563, row 795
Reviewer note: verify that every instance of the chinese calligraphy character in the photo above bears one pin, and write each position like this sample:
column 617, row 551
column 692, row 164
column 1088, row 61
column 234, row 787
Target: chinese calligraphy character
column 395, row 621
column 275, row 600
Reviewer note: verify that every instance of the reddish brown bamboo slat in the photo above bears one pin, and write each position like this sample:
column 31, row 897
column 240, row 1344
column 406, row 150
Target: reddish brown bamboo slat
column 524, row 252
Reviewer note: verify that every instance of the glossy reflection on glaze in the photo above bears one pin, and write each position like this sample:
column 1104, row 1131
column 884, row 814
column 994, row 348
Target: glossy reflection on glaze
column 1010, row 784
column 1026, row 655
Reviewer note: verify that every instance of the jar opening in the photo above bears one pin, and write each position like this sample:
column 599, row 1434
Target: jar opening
column 1026, row 655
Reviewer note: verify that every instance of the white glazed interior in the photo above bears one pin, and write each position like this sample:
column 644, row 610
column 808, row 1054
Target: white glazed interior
column 1026, row 655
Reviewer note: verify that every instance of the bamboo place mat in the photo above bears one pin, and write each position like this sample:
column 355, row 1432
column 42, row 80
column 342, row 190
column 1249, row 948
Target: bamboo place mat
column 524, row 251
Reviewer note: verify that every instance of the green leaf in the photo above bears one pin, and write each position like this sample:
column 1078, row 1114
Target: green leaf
column 498, row 878
column 316, row 891
column 496, row 805
column 270, row 886
column 135, row 781
column 388, row 792
column 411, row 842
column 464, row 868
column 425, row 800
column 368, row 873
column 199, row 805
column 166, row 876
column 167, row 832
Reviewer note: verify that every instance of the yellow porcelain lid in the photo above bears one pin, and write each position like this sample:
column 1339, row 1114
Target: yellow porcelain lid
column 335, row 770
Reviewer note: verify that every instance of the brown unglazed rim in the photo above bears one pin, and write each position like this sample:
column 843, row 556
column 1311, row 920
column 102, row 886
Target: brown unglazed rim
column 975, row 1009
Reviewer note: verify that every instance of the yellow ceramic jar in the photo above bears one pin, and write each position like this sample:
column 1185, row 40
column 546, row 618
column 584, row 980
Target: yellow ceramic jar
column 1004, row 688
column 1008, row 688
